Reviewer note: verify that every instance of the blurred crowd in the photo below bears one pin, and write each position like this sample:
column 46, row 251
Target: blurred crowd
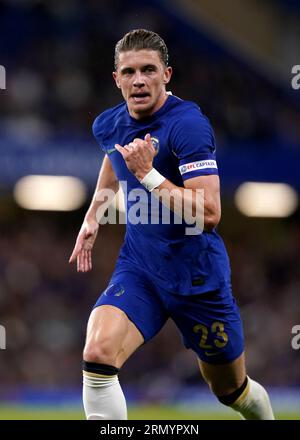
column 59, row 59
column 45, row 304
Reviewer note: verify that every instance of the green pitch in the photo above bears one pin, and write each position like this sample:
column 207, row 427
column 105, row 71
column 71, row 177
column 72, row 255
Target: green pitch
column 141, row 413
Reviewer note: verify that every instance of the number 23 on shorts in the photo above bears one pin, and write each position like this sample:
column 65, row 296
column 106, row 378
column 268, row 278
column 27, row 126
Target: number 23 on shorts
column 217, row 331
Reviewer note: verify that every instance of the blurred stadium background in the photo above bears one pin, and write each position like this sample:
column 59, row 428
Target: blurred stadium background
column 234, row 58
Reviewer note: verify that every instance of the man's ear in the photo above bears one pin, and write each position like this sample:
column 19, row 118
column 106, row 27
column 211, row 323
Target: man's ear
column 115, row 77
column 167, row 74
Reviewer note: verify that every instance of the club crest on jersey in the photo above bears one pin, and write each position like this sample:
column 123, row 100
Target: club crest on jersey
column 155, row 143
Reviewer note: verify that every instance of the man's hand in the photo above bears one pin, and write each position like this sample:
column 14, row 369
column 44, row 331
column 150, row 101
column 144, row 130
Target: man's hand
column 84, row 244
column 138, row 156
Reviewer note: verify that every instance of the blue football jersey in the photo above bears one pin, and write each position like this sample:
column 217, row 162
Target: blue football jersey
column 185, row 148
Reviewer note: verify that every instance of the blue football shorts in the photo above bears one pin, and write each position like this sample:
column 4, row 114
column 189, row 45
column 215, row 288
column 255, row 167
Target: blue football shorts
column 209, row 323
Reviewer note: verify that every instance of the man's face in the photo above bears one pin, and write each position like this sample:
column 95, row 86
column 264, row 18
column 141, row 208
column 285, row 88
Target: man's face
column 142, row 77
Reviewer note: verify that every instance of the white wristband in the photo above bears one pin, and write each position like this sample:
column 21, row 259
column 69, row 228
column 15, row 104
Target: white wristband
column 152, row 180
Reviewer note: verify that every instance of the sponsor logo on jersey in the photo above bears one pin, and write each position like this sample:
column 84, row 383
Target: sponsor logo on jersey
column 214, row 353
column 199, row 165
column 114, row 290
column 198, row 282
column 111, row 150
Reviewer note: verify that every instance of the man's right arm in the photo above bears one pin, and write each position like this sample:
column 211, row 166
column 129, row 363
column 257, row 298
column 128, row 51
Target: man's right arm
column 107, row 186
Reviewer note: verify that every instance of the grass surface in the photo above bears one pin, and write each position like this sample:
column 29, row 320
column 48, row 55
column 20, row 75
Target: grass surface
column 8, row 412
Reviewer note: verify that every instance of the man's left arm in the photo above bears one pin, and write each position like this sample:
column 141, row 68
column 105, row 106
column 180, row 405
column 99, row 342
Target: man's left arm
column 209, row 197
column 198, row 199
column 210, row 185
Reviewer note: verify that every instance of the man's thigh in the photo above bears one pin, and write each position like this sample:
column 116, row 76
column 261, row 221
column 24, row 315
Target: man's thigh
column 111, row 337
column 210, row 324
column 132, row 292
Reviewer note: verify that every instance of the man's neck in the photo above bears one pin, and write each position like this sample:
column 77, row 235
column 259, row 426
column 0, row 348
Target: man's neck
column 161, row 101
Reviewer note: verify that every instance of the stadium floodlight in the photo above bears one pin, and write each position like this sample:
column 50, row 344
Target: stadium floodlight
column 50, row 193
column 262, row 199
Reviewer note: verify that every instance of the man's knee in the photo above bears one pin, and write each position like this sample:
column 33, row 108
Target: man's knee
column 103, row 351
column 224, row 379
column 224, row 387
column 111, row 337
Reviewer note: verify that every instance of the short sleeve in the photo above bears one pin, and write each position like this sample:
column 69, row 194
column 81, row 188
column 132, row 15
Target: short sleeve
column 193, row 143
column 98, row 129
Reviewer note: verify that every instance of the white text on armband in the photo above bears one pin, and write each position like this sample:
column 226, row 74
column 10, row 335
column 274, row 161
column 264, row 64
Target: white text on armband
column 199, row 165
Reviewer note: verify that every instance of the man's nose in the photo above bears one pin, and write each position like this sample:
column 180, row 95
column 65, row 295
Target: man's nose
column 138, row 79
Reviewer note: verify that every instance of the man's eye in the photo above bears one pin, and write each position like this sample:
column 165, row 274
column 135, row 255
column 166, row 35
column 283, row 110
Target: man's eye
column 127, row 72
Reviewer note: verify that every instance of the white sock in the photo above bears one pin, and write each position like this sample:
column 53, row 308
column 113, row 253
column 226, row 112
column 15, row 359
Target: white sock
column 103, row 398
column 254, row 403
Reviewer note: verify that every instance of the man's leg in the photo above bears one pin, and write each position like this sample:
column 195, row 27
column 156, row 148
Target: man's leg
column 211, row 325
column 234, row 388
column 111, row 339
